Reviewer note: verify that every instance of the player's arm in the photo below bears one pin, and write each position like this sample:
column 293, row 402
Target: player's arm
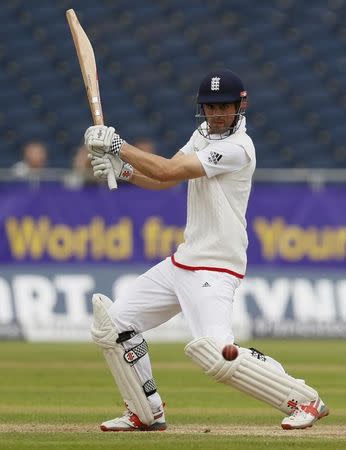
column 145, row 182
column 180, row 167
column 103, row 141
column 125, row 172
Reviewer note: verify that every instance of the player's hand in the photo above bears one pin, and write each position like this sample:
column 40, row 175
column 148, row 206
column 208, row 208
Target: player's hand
column 100, row 139
column 102, row 165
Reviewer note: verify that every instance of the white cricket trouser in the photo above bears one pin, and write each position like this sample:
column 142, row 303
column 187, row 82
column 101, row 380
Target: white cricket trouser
column 205, row 298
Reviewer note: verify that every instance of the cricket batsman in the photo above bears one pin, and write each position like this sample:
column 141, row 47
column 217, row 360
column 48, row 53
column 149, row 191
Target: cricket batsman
column 201, row 277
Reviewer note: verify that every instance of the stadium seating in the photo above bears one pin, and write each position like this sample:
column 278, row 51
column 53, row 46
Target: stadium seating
column 151, row 57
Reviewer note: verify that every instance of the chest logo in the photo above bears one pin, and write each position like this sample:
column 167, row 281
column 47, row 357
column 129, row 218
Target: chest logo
column 215, row 84
column 214, row 157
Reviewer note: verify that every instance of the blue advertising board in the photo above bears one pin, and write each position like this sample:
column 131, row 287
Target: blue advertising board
column 288, row 225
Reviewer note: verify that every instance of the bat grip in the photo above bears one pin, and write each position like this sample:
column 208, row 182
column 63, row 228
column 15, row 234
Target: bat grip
column 112, row 182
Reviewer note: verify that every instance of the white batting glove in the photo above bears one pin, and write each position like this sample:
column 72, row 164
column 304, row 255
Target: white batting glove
column 102, row 165
column 100, row 139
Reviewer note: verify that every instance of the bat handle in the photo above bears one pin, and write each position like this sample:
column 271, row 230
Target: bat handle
column 112, row 182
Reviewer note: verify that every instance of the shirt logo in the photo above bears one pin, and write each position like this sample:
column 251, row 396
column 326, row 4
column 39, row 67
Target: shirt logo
column 214, row 157
column 215, row 84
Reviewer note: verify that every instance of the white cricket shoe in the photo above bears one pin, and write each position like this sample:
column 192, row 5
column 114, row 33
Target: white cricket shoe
column 304, row 416
column 131, row 422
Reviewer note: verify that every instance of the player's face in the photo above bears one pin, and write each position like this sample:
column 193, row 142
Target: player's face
column 220, row 116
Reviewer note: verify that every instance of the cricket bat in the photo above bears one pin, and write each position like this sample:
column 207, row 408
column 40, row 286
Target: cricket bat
column 86, row 58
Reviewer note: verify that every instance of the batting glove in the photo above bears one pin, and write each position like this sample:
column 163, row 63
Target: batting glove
column 102, row 165
column 100, row 139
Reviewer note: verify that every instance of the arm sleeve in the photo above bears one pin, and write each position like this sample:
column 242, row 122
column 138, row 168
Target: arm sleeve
column 188, row 147
column 222, row 158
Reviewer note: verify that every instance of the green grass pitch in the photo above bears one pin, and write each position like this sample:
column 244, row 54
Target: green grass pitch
column 54, row 396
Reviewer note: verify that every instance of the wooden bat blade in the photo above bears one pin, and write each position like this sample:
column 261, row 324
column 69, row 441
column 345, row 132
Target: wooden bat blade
column 88, row 67
column 87, row 64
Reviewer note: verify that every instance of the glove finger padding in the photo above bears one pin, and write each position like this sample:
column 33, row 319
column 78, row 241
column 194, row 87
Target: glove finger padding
column 100, row 166
column 100, row 174
column 87, row 133
column 96, row 160
column 108, row 162
column 98, row 139
column 97, row 152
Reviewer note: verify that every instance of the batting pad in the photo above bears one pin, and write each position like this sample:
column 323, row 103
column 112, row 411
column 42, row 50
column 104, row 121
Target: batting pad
column 104, row 333
column 260, row 379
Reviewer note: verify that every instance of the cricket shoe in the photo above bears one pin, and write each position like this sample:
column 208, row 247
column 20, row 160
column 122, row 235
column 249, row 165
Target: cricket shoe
column 131, row 422
column 304, row 416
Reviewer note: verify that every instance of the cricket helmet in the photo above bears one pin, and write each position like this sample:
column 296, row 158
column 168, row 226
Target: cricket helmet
column 220, row 86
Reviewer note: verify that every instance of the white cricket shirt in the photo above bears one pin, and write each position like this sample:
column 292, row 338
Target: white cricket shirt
column 215, row 236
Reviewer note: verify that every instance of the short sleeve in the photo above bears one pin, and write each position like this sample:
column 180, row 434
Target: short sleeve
column 189, row 146
column 222, row 158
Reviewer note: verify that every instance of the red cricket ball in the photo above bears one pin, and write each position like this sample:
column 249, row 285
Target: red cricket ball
column 230, row 352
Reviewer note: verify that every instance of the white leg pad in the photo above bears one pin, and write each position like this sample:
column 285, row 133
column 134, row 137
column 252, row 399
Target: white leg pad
column 104, row 333
column 263, row 379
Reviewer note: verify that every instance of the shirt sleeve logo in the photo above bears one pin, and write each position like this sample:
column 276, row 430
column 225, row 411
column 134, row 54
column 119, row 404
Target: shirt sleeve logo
column 214, row 157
